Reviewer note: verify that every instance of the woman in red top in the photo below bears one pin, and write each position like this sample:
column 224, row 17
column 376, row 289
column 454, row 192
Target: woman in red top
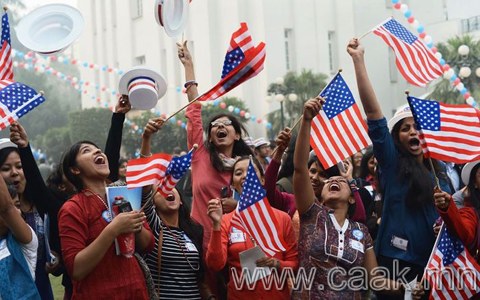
column 228, row 241
column 87, row 233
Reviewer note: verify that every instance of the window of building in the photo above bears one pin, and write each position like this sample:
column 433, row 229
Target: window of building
column 140, row 60
column 289, row 49
column 136, row 7
column 332, row 52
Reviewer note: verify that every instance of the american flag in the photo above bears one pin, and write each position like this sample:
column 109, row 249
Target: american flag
column 255, row 215
column 451, row 272
column 176, row 169
column 414, row 60
column 339, row 130
column 242, row 62
column 16, row 99
column 147, row 170
column 447, row 132
column 6, row 67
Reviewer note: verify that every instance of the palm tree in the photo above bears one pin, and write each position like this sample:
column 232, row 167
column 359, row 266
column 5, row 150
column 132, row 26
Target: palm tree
column 443, row 90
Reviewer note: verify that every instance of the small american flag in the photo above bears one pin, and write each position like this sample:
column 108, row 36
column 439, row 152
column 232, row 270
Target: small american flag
column 339, row 130
column 447, row 132
column 147, row 170
column 16, row 99
column 414, row 60
column 451, row 271
column 178, row 166
column 242, row 62
column 255, row 215
column 6, row 67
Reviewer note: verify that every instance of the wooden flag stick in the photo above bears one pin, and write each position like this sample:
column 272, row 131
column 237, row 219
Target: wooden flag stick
column 364, row 35
column 434, row 173
column 183, row 107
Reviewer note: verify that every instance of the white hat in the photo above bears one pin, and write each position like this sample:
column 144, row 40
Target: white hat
column 261, row 142
column 467, row 169
column 143, row 86
column 249, row 141
column 50, row 28
column 172, row 15
column 6, row 143
column 401, row 113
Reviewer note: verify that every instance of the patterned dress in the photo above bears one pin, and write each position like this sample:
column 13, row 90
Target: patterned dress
column 330, row 251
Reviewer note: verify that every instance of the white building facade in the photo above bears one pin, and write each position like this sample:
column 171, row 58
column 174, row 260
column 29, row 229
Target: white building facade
column 299, row 34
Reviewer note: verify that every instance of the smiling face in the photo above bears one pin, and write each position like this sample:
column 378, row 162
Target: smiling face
column 240, row 174
column 91, row 163
column 12, row 171
column 169, row 204
column 222, row 133
column 372, row 164
column 336, row 191
column 408, row 137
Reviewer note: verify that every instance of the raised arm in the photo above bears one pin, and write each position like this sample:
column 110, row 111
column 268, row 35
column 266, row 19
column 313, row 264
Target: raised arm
column 302, row 188
column 187, row 61
column 114, row 139
column 12, row 217
column 216, row 256
column 367, row 94
column 47, row 203
column 153, row 125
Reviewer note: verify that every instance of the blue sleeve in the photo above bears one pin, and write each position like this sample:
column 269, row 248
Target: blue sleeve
column 383, row 146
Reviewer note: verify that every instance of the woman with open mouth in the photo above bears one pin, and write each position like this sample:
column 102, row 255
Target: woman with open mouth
column 87, row 232
column 213, row 160
column 329, row 239
column 405, row 237
column 229, row 240
column 176, row 261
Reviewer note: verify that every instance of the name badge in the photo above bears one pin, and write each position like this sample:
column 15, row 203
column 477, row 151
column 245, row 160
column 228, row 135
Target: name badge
column 4, row 252
column 399, row 243
column 357, row 245
column 237, row 237
column 191, row 247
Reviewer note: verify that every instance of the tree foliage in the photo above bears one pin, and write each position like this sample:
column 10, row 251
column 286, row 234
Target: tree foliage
column 305, row 85
column 443, row 90
column 90, row 124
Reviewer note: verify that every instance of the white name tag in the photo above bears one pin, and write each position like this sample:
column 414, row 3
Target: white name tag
column 4, row 252
column 237, row 237
column 399, row 243
column 191, row 247
column 357, row 245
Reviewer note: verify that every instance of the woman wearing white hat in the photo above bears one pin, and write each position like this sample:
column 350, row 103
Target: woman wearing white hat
column 405, row 237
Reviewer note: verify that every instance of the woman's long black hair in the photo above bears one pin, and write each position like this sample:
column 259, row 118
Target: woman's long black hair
column 240, row 148
column 417, row 176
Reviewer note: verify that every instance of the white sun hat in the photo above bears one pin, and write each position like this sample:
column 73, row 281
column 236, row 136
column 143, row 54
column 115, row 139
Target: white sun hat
column 143, row 86
column 6, row 143
column 401, row 113
column 467, row 169
column 50, row 28
column 172, row 15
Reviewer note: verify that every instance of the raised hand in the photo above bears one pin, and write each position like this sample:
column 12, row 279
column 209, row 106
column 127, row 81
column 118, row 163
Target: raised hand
column 184, row 54
column 354, row 48
column 283, row 139
column 312, row 107
column 18, row 135
column 442, row 199
column 214, row 211
column 123, row 105
column 153, row 125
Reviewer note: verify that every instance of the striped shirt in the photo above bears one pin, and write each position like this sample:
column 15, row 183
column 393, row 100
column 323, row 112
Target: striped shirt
column 177, row 279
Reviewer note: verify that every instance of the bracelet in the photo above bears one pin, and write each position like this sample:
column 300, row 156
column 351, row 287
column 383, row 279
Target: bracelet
column 190, row 83
column 146, row 155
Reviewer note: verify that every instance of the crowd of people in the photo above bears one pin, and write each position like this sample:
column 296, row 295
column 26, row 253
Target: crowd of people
column 381, row 208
